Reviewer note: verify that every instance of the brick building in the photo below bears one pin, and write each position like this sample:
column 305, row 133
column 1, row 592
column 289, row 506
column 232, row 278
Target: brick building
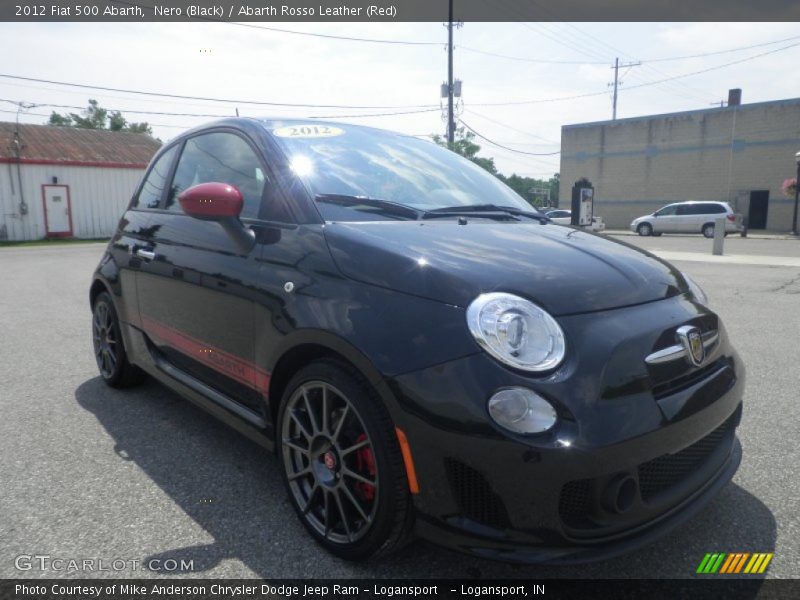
column 741, row 154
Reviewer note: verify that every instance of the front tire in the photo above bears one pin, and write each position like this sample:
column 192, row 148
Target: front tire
column 342, row 463
column 645, row 229
column 109, row 349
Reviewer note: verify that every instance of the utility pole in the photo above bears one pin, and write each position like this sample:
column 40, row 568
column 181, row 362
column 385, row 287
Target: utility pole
column 617, row 81
column 451, row 124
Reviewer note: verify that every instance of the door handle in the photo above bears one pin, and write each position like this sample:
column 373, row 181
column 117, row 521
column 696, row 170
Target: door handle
column 145, row 254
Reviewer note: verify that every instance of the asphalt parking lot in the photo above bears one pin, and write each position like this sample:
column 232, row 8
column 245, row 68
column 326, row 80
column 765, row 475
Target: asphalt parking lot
column 90, row 472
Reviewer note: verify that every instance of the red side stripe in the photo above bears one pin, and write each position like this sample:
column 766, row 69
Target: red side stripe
column 230, row 365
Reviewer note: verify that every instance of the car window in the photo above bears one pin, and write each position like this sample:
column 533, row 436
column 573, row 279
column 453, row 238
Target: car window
column 364, row 162
column 223, row 157
column 667, row 210
column 716, row 209
column 150, row 194
column 685, row 209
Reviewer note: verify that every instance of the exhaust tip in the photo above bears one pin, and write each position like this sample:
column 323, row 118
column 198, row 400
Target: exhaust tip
column 620, row 494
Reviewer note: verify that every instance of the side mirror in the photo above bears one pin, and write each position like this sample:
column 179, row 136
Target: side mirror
column 222, row 203
column 212, row 201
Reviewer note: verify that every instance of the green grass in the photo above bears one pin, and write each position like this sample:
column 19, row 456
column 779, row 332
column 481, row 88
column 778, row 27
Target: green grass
column 51, row 242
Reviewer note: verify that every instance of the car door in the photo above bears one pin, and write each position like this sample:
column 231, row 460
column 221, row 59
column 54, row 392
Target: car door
column 685, row 217
column 196, row 288
column 664, row 220
column 134, row 234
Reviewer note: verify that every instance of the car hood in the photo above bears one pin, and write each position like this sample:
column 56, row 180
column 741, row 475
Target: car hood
column 564, row 270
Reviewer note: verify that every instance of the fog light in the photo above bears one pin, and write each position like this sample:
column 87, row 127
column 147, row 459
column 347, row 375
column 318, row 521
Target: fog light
column 522, row 411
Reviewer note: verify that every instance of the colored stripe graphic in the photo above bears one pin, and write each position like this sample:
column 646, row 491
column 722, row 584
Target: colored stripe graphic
column 759, row 562
column 734, row 563
column 230, row 365
column 729, row 562
column 703, row 564
column 715, row 567
column 711, row 563
column 741, row 562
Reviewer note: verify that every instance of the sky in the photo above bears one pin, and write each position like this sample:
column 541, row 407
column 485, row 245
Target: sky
column 506, row 96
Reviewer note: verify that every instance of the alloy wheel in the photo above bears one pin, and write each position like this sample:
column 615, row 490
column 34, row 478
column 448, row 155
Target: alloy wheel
column 329, row 462
column 104, row 336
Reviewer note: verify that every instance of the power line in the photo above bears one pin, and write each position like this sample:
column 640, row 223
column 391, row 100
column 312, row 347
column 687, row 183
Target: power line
column 717, row 52
column 225, row 100
column 130, row 111
column 386, row 114
column 218, row 116
column 507, row 126
column 643, row 60
column 640, row 85
column 590, row 52
column 677, row 87
column 532, row 60
column 336, row 37
column 31, row 114
column 483, row 137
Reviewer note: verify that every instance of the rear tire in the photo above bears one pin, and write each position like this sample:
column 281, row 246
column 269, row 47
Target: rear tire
column 708, row 230
column 109, row 349
column 645, row 229
column 342, row 463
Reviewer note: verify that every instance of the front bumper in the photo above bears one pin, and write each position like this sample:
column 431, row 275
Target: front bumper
column 552, row 497
column 472, row 539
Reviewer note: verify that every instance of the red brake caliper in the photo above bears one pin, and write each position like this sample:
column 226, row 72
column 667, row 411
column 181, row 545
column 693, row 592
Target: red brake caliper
column 365, row 462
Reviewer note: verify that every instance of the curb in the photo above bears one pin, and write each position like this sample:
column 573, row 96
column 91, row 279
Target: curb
column 753, row 236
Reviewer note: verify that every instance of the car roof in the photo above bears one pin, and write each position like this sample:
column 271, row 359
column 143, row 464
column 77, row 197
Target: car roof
column 697, row 202
column 273, row 122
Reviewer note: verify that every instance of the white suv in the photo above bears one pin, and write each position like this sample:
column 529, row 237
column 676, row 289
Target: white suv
column 688, row 217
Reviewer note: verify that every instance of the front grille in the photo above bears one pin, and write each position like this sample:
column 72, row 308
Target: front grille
column 683, row 382
column 663, row 472
column 579, row 500
column 475, row 497
column 575, row 501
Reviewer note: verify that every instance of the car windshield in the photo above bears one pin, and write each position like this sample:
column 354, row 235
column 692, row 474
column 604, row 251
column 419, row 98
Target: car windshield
column 341, row 161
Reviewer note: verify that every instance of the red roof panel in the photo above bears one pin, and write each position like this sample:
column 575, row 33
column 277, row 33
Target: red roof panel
column 73, row 145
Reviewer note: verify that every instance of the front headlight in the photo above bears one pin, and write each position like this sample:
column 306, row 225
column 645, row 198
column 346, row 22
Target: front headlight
column 516, row 332
column 695, row 290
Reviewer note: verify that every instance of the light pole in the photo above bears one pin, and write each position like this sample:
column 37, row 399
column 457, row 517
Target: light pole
column 796, row 193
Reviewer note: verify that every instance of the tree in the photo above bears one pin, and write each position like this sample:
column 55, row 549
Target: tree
column 466, row 147
column 96, row 117
column 555, row 187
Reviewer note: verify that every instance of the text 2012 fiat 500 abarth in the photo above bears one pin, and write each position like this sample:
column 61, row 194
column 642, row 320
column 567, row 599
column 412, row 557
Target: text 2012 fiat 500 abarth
column 423, row 351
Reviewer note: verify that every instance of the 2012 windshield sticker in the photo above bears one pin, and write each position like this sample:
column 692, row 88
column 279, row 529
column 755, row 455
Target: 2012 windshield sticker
column 307, row 131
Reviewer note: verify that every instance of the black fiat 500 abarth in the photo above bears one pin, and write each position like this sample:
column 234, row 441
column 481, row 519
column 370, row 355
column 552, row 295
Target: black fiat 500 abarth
column 423, row 351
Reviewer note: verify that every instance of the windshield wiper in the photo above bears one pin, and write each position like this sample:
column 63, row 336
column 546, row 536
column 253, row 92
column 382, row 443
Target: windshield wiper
column 483, row 210
column 386, row 206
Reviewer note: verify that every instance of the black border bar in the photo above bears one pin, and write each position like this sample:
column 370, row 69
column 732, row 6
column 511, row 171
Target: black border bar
column 399, row 10
column 729, row 588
